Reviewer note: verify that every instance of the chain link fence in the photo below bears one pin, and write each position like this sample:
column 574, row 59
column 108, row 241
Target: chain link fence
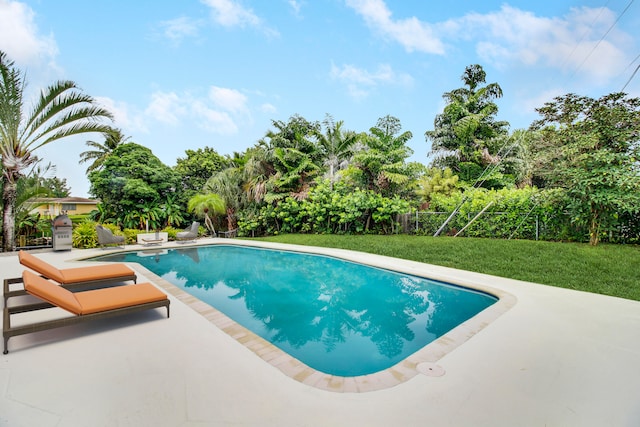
column 515, row 225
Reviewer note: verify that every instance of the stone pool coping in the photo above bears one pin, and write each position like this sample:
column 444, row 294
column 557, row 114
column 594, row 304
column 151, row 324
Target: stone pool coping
column 424, row 361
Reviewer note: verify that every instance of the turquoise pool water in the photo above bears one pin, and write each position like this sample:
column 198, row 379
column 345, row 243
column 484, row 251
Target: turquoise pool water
column 338, row 317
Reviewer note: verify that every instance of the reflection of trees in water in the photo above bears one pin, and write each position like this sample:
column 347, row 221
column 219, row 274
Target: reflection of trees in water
column 387, row 323
column 453, row 306
column 302, row 299
column 333, row 304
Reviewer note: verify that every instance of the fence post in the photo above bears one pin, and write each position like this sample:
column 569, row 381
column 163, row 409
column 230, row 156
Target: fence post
column 537, row 227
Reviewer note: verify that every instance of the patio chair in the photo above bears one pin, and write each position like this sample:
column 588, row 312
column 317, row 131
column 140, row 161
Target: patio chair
column 106, row 237
column 190, row 233
column 229, row 233
column 86, row 306
column 69, row 278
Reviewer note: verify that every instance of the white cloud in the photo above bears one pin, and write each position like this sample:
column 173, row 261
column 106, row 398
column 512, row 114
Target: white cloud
column 123, row 116
column 411, row 33
column 570, row 43
column 228, row 99
column 229, row 13
column 20, row 39
column 220, row 112
column 296, row 6
column 166, row 107
column 511, row 36
column 212, row 120
column 268, row 108
column 360, row 81
column 529, row 105
column 179, row 28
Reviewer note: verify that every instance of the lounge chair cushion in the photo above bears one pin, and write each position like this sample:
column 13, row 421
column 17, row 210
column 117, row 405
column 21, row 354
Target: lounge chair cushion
column 93, row 301
column 74, row 275
column 40, row 266
column 123, row 296
column 50, row 292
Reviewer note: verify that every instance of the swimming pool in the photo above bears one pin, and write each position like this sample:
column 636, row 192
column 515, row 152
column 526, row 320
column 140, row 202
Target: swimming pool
column 338, row 317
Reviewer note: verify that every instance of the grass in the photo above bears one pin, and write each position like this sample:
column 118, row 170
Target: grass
column 605, row 269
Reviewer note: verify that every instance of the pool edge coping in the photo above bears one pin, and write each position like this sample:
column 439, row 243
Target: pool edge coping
column 424, row 361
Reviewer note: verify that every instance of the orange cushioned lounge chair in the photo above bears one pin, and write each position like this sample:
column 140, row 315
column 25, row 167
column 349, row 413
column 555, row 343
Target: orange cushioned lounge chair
column 87, row 305
column 69, row 277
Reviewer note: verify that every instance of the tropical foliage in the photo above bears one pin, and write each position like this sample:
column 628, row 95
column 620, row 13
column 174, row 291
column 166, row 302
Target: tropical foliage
column 133, row 185
column 573, row 175
column 466, row 133
column 101, row 151
column 593, row 152
column 326, row 210
column 61, row 111
column 206, row 205
column 197, row 167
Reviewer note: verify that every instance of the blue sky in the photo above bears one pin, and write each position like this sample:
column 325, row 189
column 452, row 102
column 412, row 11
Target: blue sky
column 186, row 74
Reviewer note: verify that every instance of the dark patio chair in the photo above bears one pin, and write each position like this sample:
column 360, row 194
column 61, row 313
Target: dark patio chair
column 106, row 237
column 190, row 233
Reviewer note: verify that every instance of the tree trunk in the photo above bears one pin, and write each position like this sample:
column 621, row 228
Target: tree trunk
column 8, row 215
column 209, row 224
column 594, row 228
column 231, row 223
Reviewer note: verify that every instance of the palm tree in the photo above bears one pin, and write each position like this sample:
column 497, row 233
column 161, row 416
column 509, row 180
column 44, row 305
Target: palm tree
column 293, row 153
column 228, row 185
column 203, row 204
column 256, row 173
column 464, row 130
column 60, row 111
column 112, row 138
column 336, row 146
column 382, row 158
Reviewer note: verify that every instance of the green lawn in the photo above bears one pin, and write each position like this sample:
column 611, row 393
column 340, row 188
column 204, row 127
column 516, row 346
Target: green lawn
column 605, row 269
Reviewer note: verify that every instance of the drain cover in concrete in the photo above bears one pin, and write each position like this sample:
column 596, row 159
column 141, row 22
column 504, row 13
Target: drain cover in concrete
column 430, row 369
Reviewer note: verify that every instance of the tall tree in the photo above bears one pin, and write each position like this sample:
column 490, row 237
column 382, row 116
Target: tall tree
column 256, row 174
column 197, row 167
column 463, row 133
column 228, row 185
column 130, row 179
column 592, row 147
column 292, row 150
column 62, row 110
column 336, row 146
column 380, row 163
column 112, row 139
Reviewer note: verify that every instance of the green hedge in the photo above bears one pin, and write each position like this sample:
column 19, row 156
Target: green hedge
column 326, row 211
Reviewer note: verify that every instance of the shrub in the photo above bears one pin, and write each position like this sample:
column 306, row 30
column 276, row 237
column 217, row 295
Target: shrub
column 130, row 235
column 171, row 232
column 84, row 235
column 327, row 211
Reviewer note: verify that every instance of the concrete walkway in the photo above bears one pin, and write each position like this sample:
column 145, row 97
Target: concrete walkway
column 553, row 357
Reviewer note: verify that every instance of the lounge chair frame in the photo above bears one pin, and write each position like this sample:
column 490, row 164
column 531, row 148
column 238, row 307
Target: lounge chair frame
column 8, row 331
column 96, row 283
column 93, row 283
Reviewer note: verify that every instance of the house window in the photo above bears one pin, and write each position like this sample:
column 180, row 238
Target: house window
column 68, row 206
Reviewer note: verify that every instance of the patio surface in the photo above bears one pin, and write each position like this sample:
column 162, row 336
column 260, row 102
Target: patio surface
column 550, row 357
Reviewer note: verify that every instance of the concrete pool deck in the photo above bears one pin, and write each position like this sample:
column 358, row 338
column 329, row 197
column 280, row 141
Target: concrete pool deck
column 553, row 357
